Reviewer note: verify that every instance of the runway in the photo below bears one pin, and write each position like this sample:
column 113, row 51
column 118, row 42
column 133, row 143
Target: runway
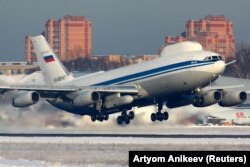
column 127, row 135
column 110, row 147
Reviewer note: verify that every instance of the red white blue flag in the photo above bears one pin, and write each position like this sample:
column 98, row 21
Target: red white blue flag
column 49, row 58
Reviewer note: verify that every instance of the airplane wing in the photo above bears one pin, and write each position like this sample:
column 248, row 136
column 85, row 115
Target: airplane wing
column 221, row 87
column 52, row 91
column 224, row 83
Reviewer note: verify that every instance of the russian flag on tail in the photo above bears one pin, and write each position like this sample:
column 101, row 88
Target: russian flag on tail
column 49, row 58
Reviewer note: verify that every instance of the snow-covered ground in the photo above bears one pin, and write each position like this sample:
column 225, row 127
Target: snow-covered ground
column 31, row 163
column 105, row 151
column 21, row 163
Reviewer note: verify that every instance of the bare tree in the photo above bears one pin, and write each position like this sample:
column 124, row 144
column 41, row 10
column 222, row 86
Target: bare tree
column 241, row 68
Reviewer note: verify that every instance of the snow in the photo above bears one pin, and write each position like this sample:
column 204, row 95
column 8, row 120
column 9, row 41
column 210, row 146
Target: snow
column 21, row 163
column 122, row 140
column 111, row 151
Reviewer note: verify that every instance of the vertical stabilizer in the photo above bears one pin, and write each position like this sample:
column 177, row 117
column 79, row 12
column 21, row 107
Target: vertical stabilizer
column 54, row 73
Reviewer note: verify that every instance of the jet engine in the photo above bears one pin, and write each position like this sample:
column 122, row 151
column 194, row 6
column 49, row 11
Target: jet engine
column 233, row 98
column 26, row 99
column 207, row 98
column 86, row 98
column 119, row 101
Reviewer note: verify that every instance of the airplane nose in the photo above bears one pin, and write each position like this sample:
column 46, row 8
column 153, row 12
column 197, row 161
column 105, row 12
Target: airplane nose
column 220, row 66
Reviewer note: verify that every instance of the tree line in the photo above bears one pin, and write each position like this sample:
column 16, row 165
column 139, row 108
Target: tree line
column 93, row 65
column 241, row 68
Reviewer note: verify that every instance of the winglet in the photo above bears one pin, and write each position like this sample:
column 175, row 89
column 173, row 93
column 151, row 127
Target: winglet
column 54, row 73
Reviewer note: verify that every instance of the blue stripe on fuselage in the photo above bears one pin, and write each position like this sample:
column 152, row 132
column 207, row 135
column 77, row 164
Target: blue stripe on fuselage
column 154, row 72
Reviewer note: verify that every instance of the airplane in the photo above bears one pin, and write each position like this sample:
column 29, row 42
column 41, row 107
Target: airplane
column 177, row 78
column 230, row 116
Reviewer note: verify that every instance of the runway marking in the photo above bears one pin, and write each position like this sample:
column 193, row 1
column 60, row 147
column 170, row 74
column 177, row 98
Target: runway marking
column 123, row 135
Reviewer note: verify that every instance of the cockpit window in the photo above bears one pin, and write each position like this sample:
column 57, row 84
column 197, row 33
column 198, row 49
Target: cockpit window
column 214, row 58
column 220, row 58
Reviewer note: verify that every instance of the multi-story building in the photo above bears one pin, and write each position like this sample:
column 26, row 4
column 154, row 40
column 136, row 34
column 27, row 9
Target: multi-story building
column 141, row 58
column 12, row 68
column 215, row 33
column 30, row 55
column 70, row 37
column 114, row 58
column 171, row 40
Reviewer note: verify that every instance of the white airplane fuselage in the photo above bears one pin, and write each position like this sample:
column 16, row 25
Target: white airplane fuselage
column 164, row 77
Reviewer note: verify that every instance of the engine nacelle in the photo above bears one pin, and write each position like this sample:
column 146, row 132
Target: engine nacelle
column 86, row 98
column 233, row 98
column 207, row 98
column 119, row 101
column 26, row 99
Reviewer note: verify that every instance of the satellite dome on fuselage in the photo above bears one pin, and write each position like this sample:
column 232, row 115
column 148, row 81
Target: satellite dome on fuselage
column 182, row 47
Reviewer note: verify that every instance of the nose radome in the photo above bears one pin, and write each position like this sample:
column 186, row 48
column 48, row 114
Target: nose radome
column 220, row 66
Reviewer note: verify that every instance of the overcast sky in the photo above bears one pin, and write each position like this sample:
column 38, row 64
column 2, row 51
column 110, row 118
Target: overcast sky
column 119, row 26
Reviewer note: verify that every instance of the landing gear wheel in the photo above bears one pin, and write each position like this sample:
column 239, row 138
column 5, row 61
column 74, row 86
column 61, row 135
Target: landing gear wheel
column 127, row 120
column 98, row 117
column 159, row 116
column 119, row 120
column 93, row 118
column 131, row 115
column 101, row 119
column 165, row 115
column 153, row 117
column 105, row 117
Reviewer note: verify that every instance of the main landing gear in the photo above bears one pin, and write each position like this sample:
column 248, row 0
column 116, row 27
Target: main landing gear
column 125, row 117
column 160, row 116
column 99, row 117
